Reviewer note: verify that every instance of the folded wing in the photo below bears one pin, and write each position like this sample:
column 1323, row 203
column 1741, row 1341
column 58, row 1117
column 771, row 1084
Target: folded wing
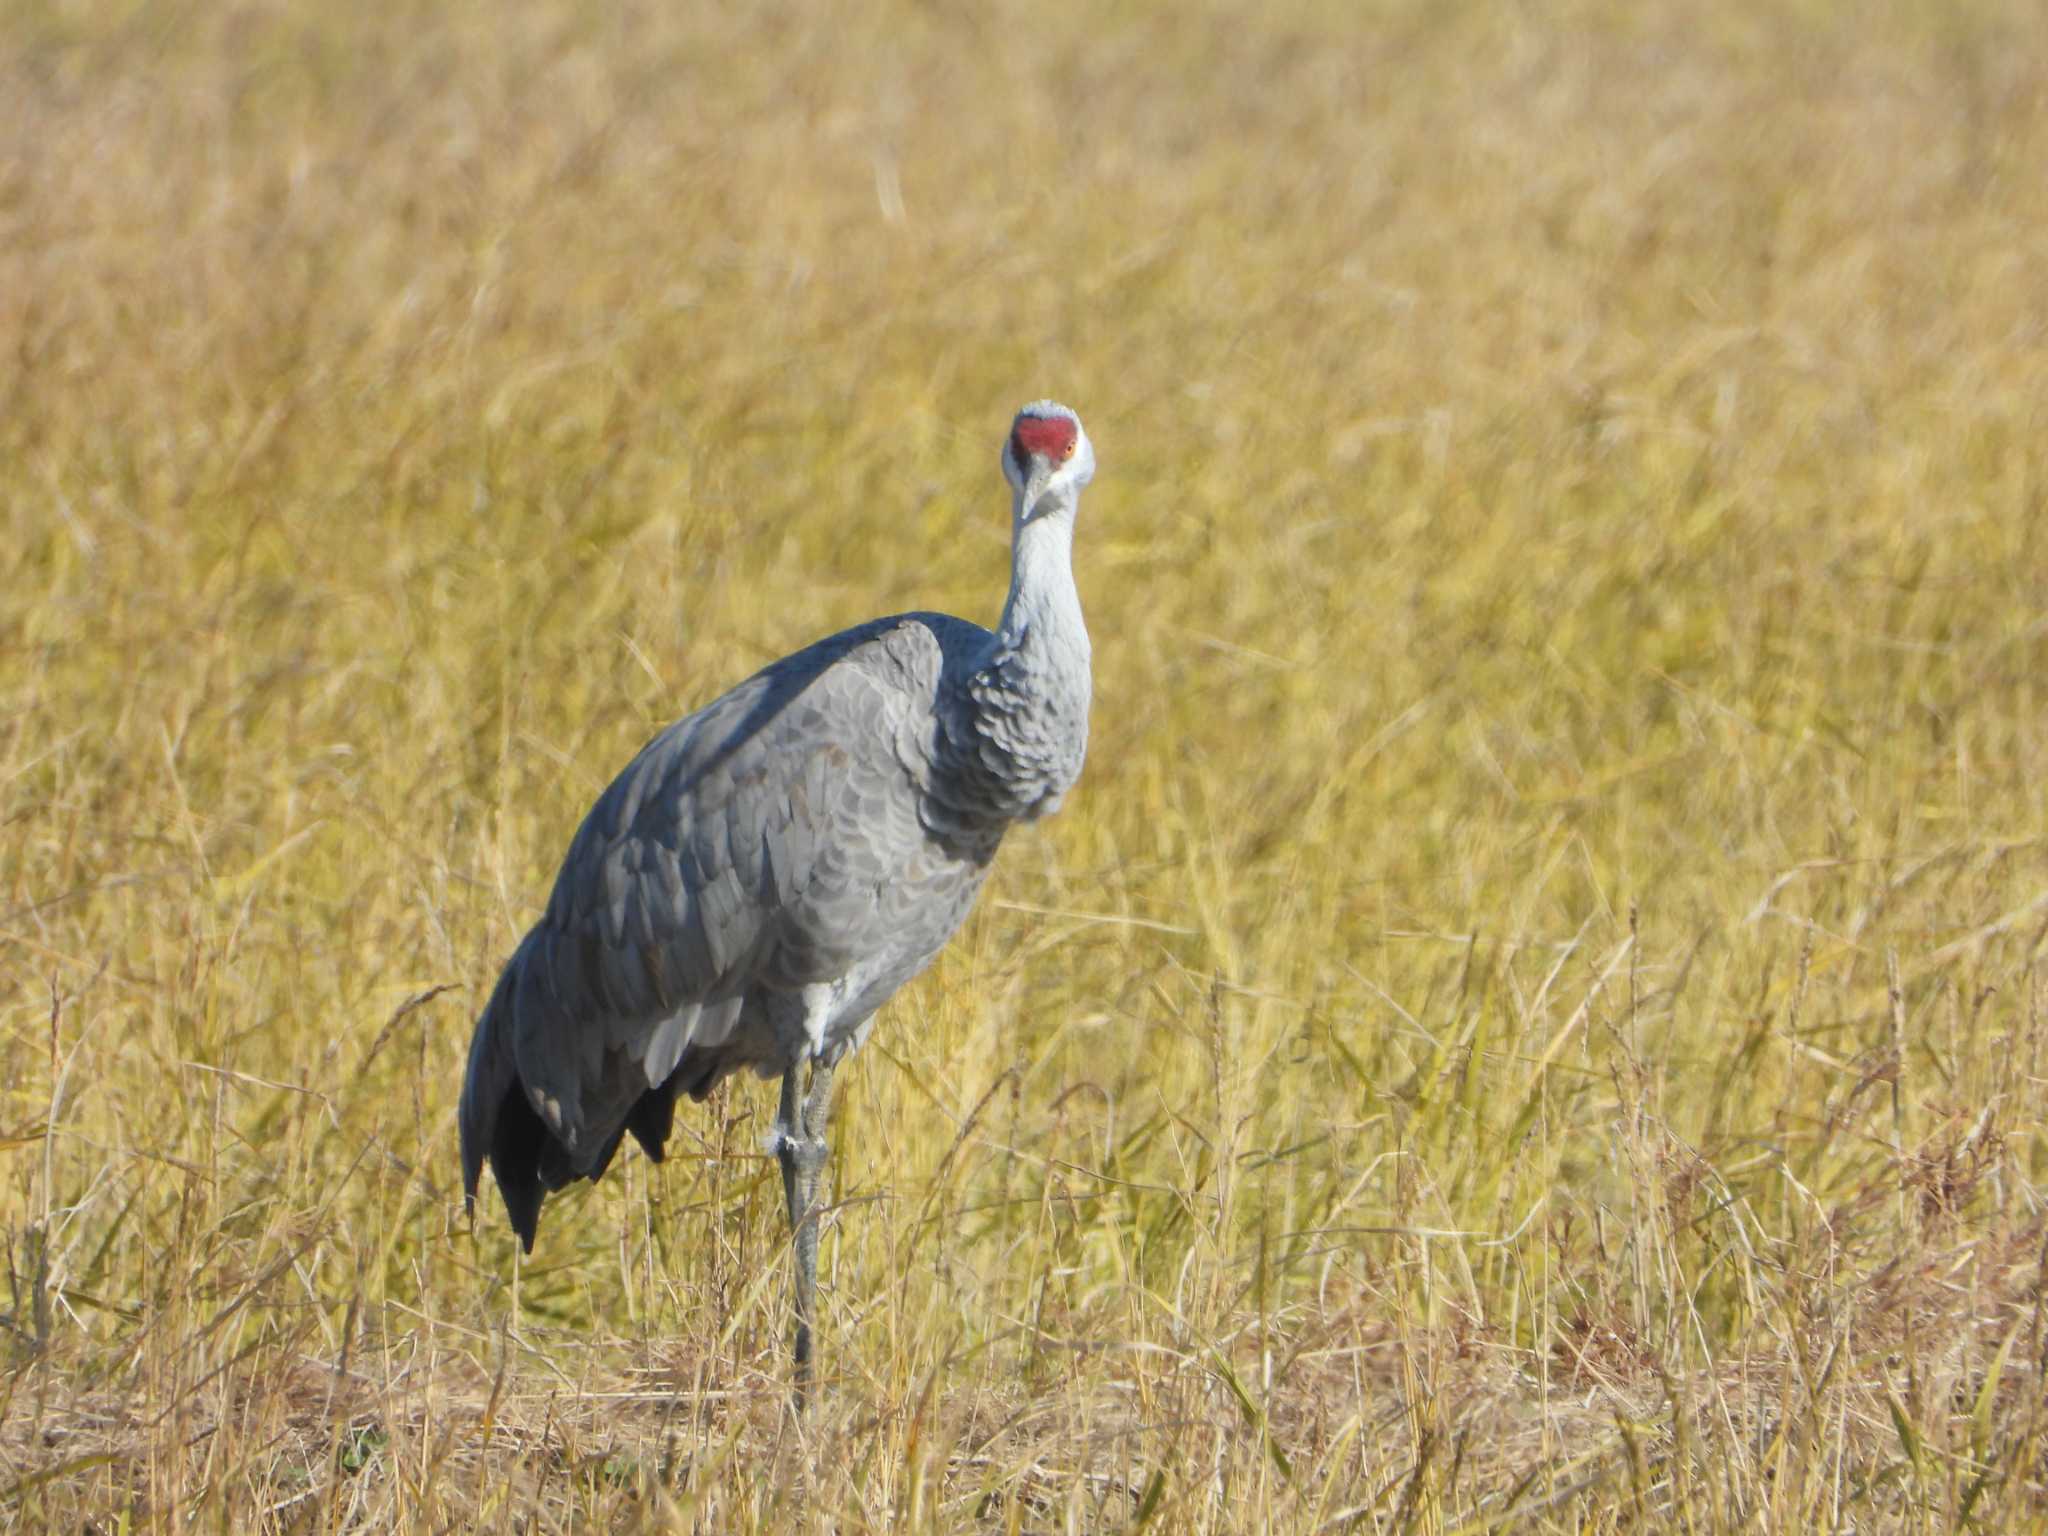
column 743, row 852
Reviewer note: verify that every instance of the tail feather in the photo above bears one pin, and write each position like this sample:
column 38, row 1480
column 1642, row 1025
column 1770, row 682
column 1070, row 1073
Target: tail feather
column 497, row 1123
column 491, row 1072
column 500, row 1126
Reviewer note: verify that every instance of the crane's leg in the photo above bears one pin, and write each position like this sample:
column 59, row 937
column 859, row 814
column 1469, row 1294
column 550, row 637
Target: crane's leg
column 802, row 1150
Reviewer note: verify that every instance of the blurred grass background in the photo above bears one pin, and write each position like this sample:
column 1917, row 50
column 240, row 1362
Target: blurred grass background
column 1533, row 1018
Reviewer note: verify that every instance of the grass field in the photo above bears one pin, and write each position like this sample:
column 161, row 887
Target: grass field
column 1534, row 1018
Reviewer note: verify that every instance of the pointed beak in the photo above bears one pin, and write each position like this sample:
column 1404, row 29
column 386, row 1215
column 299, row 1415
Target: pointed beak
column 1035, row 479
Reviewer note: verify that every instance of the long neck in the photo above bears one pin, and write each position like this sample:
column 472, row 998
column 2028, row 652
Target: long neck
column 1022, row 728
column 1041, row 627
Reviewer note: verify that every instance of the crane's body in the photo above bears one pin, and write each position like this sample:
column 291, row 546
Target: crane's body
column 771, row 869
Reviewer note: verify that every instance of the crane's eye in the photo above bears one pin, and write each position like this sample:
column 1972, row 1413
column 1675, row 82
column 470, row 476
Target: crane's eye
column 1068, row 451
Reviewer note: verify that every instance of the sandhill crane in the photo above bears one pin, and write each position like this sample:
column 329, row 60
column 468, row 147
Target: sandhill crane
column 769, row 870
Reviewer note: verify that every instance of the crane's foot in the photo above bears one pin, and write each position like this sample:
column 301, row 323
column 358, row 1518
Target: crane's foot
column 802, row 1150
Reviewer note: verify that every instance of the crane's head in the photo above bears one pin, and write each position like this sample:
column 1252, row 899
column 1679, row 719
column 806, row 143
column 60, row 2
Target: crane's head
column 1047, row 458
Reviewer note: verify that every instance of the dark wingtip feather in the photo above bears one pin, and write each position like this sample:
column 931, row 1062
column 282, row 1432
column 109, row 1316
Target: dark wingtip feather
column 522, row 1204
column 516, row 1149
column 652, row 1118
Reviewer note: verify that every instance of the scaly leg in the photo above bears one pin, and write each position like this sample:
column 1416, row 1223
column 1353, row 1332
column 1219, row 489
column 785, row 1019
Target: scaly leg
column 802, row 1150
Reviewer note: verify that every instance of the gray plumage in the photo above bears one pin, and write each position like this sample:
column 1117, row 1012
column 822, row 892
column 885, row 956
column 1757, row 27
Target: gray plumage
column 771, row 869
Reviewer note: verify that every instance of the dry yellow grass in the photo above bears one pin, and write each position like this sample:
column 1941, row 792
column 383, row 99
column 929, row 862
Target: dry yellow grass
column 1534, row 1017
